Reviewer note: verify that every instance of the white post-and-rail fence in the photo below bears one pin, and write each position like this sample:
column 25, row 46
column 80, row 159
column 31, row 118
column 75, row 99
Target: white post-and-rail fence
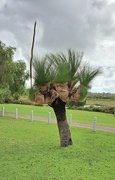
column 31, row 117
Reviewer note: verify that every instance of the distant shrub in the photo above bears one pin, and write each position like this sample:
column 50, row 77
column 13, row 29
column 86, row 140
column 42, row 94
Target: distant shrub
column 75, row 105
column 95, row 108
column 4, row 95
column 16, row 96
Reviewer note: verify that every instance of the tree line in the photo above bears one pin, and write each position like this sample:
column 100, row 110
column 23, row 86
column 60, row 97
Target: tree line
column 101, row 95
column 12, row 74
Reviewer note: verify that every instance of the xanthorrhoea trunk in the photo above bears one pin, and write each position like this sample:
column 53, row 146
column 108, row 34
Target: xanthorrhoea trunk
column 65, row 136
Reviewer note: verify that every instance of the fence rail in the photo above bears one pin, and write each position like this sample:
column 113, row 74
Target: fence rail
column 48, row 119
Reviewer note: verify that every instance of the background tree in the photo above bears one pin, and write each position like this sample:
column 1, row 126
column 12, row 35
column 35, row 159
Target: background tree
column 58, row 79
column 19, row 76
column 12, row 74
column 6, row 62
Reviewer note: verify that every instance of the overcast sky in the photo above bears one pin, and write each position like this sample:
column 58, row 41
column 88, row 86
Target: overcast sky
column 84, row 25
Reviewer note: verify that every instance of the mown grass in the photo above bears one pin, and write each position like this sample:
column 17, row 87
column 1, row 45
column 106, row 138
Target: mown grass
column 77, row 115
column 31, row 151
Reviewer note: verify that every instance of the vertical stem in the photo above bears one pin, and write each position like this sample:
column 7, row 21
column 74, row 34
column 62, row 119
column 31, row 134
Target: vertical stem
column 32, row 54
column 64, row 132
column 65, row 136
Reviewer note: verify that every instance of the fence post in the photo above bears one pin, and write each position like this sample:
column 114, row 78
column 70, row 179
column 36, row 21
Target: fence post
column 94, row 123
column 2, row 111
column 49, row 117
column 31, row 115
column 70, row 120
column 16, row 113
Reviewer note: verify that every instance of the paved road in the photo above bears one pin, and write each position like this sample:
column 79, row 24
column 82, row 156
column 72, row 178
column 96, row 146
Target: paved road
column 78, row 124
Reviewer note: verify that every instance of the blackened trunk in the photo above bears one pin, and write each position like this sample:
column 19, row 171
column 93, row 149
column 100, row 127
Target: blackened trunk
column 65, row 136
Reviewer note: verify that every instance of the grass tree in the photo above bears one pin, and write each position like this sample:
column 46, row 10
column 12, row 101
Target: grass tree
column 59, row 78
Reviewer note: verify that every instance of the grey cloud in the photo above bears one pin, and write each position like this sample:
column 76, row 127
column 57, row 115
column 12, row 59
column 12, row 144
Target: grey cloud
column 106, row 81
column 101, row 17
column 64, row 23
column 84, row 25
column 98, row 4
column 108, row 72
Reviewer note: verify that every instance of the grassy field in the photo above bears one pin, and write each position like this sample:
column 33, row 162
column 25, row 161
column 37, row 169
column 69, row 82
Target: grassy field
column 77, row 115
column 31, row 151
column 102, row 102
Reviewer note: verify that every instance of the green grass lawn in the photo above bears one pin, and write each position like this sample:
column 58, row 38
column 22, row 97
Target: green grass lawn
column 29, row 150
column 77, row 115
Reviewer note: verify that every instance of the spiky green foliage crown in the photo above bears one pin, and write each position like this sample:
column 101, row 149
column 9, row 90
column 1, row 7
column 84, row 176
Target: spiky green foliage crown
column 65, row 65
column 62, row 68
column 43, row 72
